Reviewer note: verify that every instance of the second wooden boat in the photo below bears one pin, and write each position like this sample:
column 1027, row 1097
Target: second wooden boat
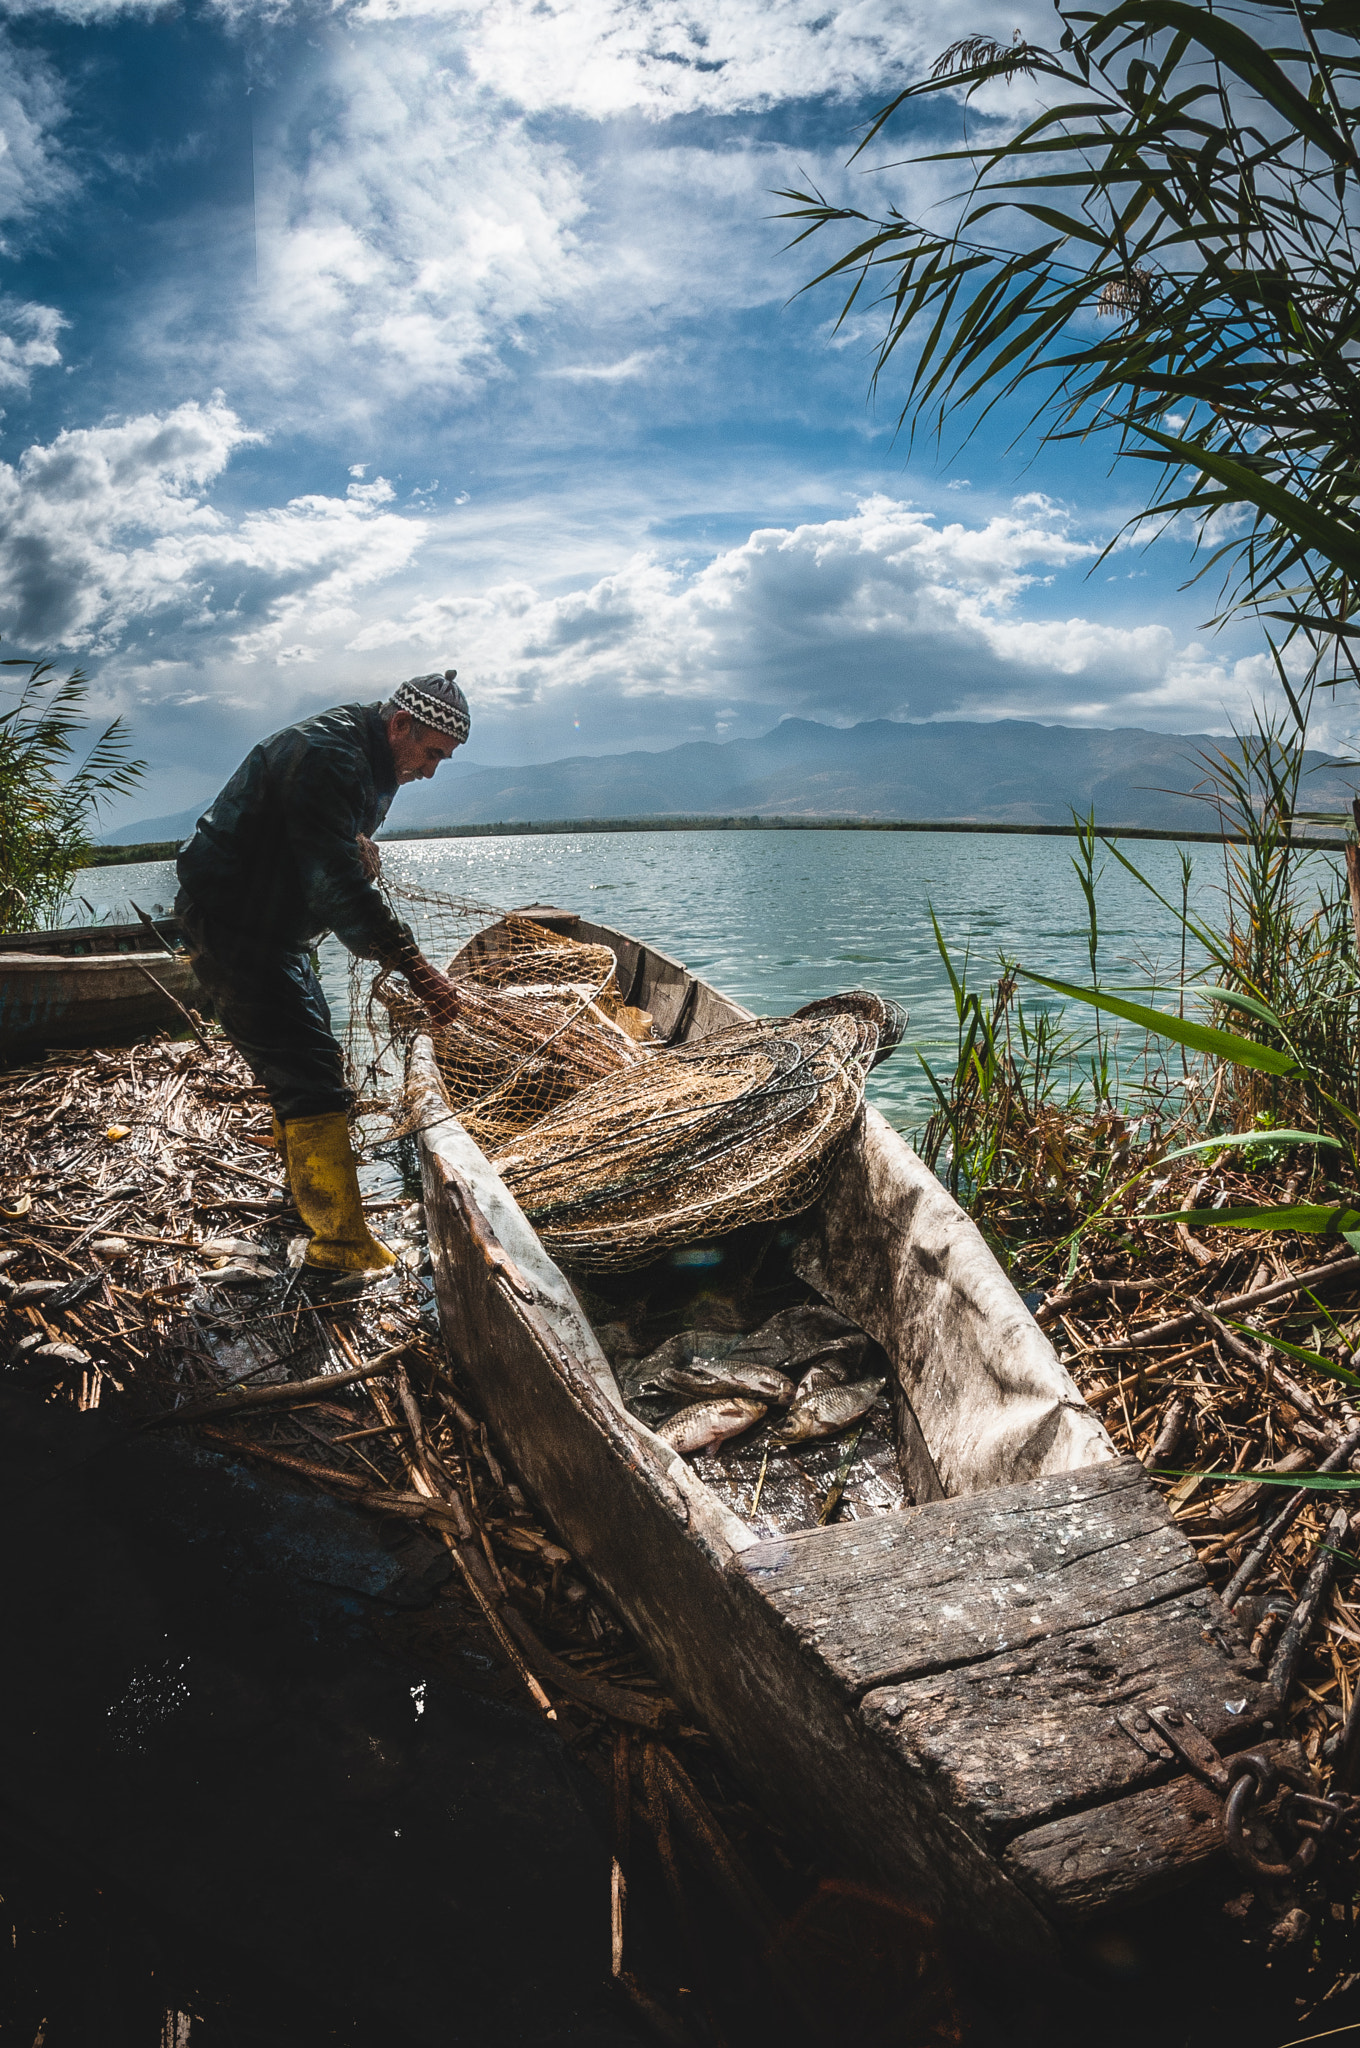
column 91, row 985
column 961, row 1700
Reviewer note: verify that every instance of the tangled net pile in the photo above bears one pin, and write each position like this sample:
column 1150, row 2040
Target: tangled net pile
column 694, row 1140
column 618, row 1147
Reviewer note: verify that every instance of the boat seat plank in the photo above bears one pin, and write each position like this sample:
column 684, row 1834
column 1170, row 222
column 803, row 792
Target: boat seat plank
column 904, row 1595
column 1018, row 1739
column 1085, row 1863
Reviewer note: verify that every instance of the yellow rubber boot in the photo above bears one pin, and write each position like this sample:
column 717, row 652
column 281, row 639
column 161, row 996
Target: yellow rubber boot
column 325, row 1181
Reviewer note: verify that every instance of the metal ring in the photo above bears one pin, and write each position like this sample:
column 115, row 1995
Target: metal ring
column 1254, row 1767
column 1241, row 1802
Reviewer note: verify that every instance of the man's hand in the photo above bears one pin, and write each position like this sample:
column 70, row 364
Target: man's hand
column 434, row 989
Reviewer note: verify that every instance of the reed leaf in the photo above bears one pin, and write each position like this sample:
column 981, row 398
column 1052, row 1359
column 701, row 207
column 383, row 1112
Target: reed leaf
column 1316, row 1359
column 1202, row 1038
column 1312, row 1482
column 1310, row 1217
column 1192, row 178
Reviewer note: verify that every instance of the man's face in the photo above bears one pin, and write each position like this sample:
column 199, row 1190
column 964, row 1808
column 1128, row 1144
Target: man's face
column 417, row 750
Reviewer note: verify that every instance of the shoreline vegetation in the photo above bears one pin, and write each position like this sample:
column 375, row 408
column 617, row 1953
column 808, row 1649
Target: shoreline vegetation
column 1171, row 1173
column 165, row 849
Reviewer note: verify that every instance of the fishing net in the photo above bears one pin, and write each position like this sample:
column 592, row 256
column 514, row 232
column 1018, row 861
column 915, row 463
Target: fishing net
column 695, row 1140
column 619, row 1147
column 540, row 1015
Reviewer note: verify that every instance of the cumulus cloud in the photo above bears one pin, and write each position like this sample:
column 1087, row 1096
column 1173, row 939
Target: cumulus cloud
column 406, row 228
column 28, row 342
column 608, row 57
column 432, row 214
column 885, row 612
column 105, row 529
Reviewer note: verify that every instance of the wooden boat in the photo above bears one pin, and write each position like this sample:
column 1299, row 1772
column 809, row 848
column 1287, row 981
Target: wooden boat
column 91, row 985
column 952, row 1699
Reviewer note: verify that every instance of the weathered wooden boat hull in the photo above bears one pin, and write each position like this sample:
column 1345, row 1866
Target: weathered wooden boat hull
column 939, row 1696
column 96, row 985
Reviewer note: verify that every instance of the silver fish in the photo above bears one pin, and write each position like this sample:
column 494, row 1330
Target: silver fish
column 709, row 1422
column 827, row 1411
column 799, row 1337
column 814, row 1380
column 715, row 1377
column 680, row 1350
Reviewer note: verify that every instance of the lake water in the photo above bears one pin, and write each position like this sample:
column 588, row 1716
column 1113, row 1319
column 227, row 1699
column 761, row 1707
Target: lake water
column 778, row 918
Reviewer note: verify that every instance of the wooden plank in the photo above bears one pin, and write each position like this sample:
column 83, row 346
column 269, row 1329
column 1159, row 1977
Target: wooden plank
column 629, row 955
column 642, row 972
column 1016, row 1740
column 1085, row 1863
column 955, row 1581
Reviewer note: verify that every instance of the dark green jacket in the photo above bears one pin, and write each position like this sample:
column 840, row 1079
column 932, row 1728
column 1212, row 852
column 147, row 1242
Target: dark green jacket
column 274, row 859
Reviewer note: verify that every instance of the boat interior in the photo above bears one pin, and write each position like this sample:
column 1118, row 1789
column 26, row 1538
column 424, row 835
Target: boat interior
column 989, row 1613
column 973, row 1395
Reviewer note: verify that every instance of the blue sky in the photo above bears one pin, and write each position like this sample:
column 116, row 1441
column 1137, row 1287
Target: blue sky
column 342, row 342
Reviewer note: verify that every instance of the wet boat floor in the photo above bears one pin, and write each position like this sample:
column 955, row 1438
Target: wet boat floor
column 736, row 1284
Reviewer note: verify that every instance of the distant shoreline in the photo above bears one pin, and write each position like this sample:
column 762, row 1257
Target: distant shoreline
column 166, row 849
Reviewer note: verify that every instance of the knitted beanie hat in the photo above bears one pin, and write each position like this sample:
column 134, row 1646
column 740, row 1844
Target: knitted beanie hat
column 436, row 700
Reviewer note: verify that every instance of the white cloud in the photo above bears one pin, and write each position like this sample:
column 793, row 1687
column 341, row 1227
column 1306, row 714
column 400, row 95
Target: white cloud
column 107, row 528
column 425, row 225
column 34, row 169
column 880, row 613
column 603, row 58
column 607, row 373
column 29, row 344
column 406, row 229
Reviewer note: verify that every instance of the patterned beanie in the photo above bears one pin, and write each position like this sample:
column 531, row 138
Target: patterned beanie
column 436, row 700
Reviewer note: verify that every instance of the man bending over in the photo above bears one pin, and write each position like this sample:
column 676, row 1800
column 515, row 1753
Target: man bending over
column 274, row 864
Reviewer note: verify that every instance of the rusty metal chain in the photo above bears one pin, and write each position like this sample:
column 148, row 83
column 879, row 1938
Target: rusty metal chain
column 1313, row 1816
column 1247, row 1783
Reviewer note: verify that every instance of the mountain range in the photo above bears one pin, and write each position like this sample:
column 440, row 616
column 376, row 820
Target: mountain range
column 1010, row 771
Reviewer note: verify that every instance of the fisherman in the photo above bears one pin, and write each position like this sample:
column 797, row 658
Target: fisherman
column 280, row 857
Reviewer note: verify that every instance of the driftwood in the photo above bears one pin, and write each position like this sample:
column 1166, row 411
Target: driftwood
column 1277, row 1290
column 1285, row 1663
column 1166, row 1443
column 288, row 1396
column 188, row 1016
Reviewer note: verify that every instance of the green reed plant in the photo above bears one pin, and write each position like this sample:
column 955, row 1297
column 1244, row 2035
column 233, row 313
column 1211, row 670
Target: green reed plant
column 1050, row 1124
column 47, row 808
column 1006, row 1113
column 1282, row 968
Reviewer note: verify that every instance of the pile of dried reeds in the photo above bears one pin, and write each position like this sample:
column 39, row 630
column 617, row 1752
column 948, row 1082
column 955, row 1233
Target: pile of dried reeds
column 1167, row 1332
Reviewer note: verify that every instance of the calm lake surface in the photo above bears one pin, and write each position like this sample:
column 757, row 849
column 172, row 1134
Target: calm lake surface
column 778, row 918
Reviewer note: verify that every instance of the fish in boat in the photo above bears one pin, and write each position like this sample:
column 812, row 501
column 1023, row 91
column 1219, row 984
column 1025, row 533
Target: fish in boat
column 715, row 1377
column 826, row 1411
column 676, row 1351
column 955, row 1699
column 707, row 1423
column 686, row 1365
column 91, row 985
